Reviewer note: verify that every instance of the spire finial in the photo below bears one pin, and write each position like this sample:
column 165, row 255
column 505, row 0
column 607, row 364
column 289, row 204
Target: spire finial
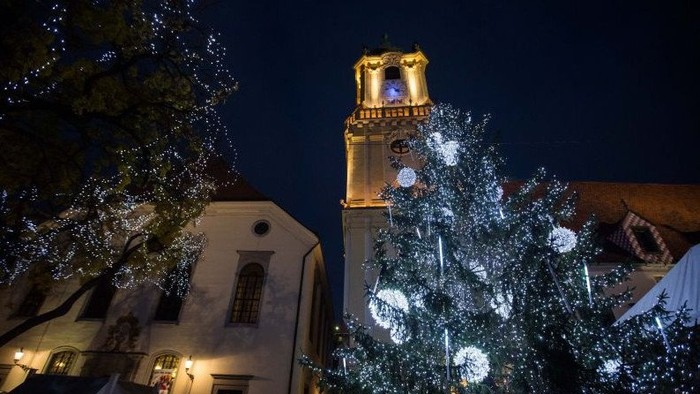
column 385, row 41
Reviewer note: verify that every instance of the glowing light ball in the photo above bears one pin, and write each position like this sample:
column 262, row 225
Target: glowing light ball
column 393, row 298
column 406, row 177
column 562, row 239
column 447, row 150
column 473, row 364
column 611, row 367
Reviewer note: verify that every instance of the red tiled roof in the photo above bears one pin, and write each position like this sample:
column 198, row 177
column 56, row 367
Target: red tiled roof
column 238, row 190
column 673, row 209
column 231, row 185
column 677, row 206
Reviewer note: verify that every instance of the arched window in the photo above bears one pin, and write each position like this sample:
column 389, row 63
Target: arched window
column 392, row 72
column 164, row 372
column 61, row 362
column 246, row 305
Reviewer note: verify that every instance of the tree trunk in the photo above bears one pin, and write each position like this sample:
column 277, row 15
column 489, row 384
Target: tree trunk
column 54, row 313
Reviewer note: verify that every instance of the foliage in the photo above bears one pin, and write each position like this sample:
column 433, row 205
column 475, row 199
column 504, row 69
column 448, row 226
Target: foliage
column 484, row 291
column 108, row 117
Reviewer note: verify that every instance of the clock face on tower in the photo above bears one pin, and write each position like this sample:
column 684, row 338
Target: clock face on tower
column 394, row 91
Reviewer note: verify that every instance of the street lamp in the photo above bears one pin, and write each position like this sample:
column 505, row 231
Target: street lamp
column 18, row 356
column 188, row 366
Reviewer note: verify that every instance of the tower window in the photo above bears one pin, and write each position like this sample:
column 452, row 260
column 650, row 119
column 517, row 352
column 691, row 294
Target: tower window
column 261, row 227
column 645, row 239
column 246, row 305
column 399, row 146
column 392, row 73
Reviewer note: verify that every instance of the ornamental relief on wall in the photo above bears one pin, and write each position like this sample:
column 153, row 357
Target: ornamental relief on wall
column 391, row 59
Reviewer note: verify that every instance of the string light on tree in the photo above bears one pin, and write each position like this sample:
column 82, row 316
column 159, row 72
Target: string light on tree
column 141, row 159
column 483, row 279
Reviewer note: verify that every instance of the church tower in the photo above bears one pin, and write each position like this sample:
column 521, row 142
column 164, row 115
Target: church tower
column 391, row 100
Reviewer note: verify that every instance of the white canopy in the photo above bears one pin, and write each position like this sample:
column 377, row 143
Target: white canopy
column 682, row 285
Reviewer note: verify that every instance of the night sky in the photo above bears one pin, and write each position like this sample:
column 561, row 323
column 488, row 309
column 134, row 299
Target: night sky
column 599, row 90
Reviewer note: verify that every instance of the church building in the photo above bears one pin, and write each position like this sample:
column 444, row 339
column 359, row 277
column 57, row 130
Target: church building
column 259, row 300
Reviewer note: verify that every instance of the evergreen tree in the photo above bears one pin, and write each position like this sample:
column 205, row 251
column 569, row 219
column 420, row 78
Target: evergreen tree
column 108, row 123
column 486, row 292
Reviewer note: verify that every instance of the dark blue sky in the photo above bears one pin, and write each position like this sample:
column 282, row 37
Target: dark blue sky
column 597, row 90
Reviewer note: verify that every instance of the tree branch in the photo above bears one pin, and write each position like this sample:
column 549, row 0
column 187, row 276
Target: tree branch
column 67, row 305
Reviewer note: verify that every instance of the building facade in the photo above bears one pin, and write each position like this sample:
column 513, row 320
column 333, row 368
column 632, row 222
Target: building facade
column 259, row 300
column 650, row 226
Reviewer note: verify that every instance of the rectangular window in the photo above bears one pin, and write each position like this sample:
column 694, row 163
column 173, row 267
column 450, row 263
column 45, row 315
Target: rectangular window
column 31, row 303
column 170, row 303
column 230, row 384
column 246, row 305
column 99, row 301
column 168, row 308
column 645, row 239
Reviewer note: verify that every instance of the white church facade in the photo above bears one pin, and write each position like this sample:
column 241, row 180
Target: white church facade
column 259, row 300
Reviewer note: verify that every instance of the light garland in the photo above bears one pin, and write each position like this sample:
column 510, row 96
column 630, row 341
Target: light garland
column 150, row 167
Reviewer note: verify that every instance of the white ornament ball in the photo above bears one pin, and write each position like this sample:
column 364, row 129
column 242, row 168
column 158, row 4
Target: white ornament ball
column 435, row 141
column 393, row 298
column 398, row 335
column 562, row 239
column 448, row 151
column 502, row 304
column 611, row 367
column 406, row 177
column 473, row 364
column 478, row 269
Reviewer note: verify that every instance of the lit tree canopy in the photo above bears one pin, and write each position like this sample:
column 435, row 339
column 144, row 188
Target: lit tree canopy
column 482, row 291
column 108, row 122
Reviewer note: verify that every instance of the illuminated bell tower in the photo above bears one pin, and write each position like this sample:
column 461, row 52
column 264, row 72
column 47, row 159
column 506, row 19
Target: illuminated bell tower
column 392, row 99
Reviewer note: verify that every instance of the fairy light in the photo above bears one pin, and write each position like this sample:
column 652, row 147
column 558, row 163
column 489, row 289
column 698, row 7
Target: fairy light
column 109, row 211
column 391, row 219
column 663, row 333
column 588, row 284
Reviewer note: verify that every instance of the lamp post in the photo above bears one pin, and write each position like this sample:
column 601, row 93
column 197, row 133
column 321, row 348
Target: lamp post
column 188, row 366
column 18, row 356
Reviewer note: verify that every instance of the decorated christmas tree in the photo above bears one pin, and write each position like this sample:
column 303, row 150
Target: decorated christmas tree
column 486, row 291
